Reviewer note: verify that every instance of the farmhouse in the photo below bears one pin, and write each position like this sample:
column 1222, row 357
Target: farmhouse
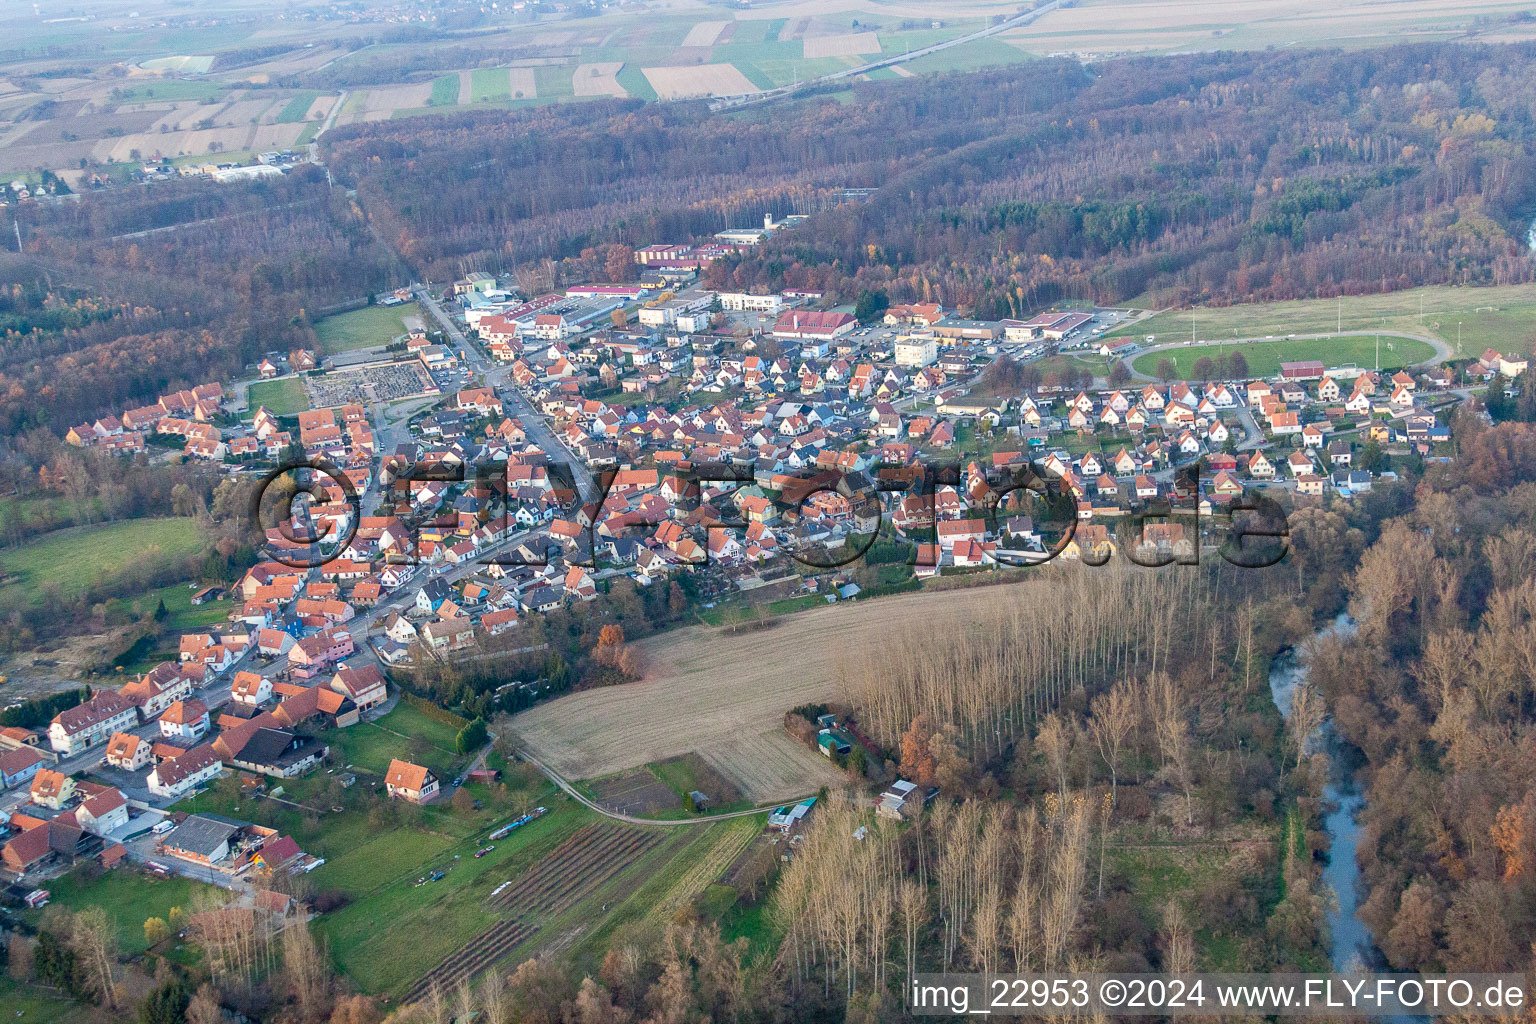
column 364, row 685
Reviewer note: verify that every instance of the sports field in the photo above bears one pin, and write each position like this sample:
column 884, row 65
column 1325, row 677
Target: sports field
column 369, row 326
column 1264, row 357
column 88, row 555
column 283, row 397
column 1497, row 316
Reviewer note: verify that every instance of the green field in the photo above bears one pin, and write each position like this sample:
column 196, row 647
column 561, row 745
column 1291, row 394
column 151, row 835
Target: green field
column 988, row 52
column 370, row 746
column 36, row 1005
column 1264, row 357
column 426, row 922
column 83, row 556
column 297, row 107
column 635, row 83
column 488, row 85
column 281, row 397
column 553, row 82
column 170, row 89
column 366, row 327
column 679, row 775
column 445, row 91
column 181, row 617
column 1501, row 317
column 128, row 895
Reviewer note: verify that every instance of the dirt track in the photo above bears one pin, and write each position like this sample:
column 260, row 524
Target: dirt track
column 725, row 696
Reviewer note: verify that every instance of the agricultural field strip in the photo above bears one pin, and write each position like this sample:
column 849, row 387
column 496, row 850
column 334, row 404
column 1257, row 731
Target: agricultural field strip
column 600, row 846
column 734, row 840
column 577, row 867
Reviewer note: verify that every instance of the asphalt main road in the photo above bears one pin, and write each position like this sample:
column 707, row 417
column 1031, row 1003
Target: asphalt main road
column 495, row 376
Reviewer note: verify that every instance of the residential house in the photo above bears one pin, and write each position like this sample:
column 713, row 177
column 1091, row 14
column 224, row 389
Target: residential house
column 52, row 789
column 85, row 725
column 250, row 689
column 128, row 752
column 407, row 781
column 18, row 766
column 178, row 776
column 185, row 720
column 365, row 686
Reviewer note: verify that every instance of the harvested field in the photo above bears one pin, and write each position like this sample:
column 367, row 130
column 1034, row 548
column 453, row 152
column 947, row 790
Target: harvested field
column 704, row 33
column 389, row 98
column 523, row 83
column 243, row 112
column 699, row 80
column 1215, row 24
column 319, row 109
column 199, row 142
column 179, row 116
column 770, row 765
column 572, row 871
column 842, row 46
column 637, row 793
column 598, row 80
column 725, row 696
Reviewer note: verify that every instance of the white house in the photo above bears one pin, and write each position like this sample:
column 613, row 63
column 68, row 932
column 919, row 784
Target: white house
column 180, row 775
column 85, row 725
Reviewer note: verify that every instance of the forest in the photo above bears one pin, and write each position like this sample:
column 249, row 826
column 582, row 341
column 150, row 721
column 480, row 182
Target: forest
column 1209, row 178
column 118, row 298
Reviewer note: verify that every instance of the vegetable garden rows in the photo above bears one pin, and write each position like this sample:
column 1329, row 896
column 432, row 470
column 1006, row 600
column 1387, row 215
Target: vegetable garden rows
column 572, row 871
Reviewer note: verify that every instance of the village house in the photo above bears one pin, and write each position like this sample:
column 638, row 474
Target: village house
column 407, row 781
column 52, row 789
column 18, row 766
column 250, row 689
column 85, row 725
column 365, row 686
column 128, row 752
column 178, row 776
column 185, row 721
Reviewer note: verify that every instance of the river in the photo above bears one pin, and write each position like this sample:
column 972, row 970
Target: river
column 1351, row 946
